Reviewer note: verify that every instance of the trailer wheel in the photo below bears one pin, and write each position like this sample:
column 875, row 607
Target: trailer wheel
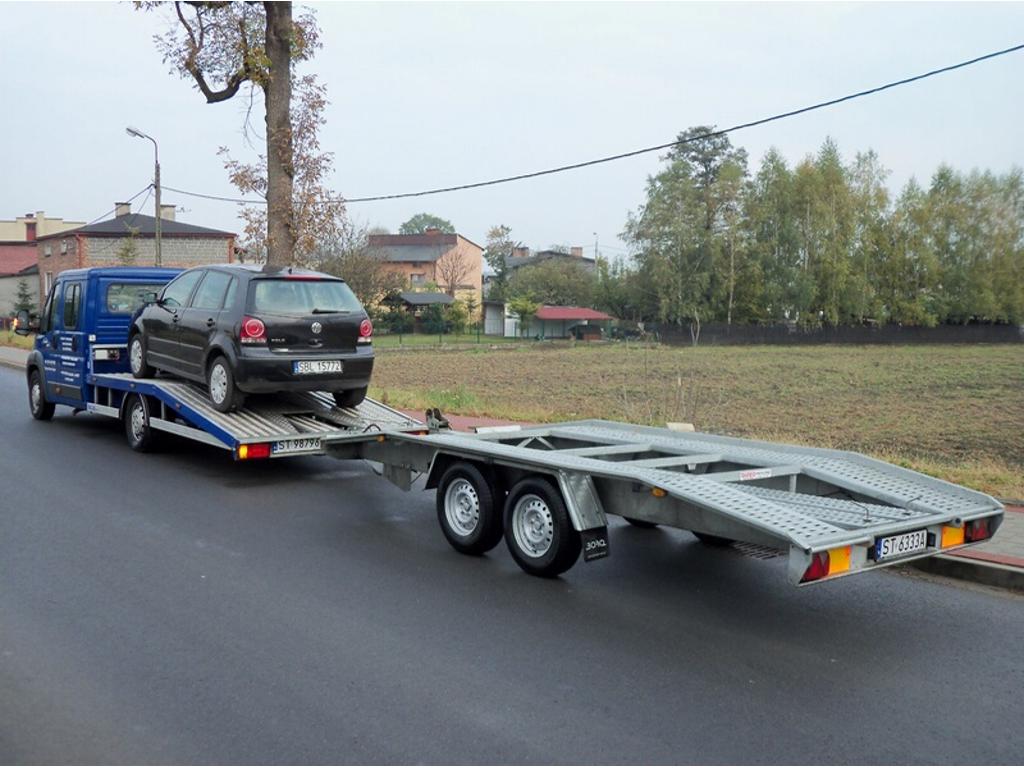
column 349, row 398
column 538, row 531
column 41, row 408
column 712, row 541
column 224, row 395
column 140, row 434
column 639, row 523
column 466, row 510
column 137, row 358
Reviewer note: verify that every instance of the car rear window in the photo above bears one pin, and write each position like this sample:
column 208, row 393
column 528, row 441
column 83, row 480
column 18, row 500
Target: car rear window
column 302, row 297
column 125, row 298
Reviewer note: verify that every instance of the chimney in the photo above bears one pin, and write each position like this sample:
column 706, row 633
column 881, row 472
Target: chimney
column 30, row 228
column 122, row 209
column 167, row 212
column 521, row 252
column 432, row 231
column 577, row 251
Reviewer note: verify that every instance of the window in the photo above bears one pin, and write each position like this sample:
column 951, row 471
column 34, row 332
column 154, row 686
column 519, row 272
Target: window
column 229, row 300
column 63, row 246
column 49, row 282
column 72, row 305
column 417, row 278
column 47, row 250
column 302, row 297
column 177, row 292
column 48, row 310
column 125, row 298
column 210, row 294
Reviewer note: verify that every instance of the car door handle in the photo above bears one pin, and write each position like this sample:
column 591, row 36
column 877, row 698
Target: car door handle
column 175, row 319
column 210, row 322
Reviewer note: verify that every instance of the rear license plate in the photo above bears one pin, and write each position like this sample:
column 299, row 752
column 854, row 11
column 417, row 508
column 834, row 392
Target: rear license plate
column 902, row 544
column 297, row 445
column 316, row 366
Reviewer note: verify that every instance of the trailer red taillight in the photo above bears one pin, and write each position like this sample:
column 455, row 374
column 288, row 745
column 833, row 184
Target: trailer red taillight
column 254, row 451
column 253, row 331
column 365, row 331
column 978, row 530
column 818, row 569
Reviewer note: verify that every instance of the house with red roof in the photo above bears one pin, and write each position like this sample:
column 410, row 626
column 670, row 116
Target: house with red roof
column 550, row 322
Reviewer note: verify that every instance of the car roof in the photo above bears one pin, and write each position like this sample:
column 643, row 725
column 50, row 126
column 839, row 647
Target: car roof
column 256, row 271
column 137, row 273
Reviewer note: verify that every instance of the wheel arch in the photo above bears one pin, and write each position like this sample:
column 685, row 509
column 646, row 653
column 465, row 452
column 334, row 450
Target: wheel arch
column 221, row 346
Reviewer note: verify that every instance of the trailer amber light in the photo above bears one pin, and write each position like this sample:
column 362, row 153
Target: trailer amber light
column 977, row 530
column 839, row 560
column 659, row 492
column 254, row 451
column 381, row 438
column 951, row 536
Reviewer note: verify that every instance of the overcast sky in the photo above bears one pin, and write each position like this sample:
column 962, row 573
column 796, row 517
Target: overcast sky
column 435, row 94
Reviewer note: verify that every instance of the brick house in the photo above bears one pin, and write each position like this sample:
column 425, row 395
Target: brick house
column 101, row 244
column 432, row 257
column 17, row 263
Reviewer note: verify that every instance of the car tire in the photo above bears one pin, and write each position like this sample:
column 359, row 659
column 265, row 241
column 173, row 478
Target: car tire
column 41, row 408
column 137, row 358
column 349, row 398
column 141, row 436
column 640, row 523
column 468, row 509
column 538, row 531
column 712, row 541
column 220, row 380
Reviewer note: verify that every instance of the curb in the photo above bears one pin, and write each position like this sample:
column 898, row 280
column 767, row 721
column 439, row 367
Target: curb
column 981, row 572
column 6, row 362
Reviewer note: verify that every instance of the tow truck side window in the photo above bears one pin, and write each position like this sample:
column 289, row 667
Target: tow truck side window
column 46, row 321
column 125, row 298
column 177, row 292
column 72, row 305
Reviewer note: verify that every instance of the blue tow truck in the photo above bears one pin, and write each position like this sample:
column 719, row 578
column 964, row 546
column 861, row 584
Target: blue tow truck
column 546, row 490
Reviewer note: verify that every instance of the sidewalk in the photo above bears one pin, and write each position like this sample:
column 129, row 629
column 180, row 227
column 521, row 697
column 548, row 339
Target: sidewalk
column 999, row 562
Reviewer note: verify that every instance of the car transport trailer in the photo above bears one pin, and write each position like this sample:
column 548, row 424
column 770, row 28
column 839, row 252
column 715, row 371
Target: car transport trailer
column 548, row 490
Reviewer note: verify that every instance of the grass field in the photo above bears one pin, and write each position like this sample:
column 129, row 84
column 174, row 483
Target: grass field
column 953, row 411
column 419, row 340
column 11, row 339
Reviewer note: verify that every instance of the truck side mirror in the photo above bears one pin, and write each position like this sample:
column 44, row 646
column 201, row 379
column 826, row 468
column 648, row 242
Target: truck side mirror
column 24, row 324
column 149, row 297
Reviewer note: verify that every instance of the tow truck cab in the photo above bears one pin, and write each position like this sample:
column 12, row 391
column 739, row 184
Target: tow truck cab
column 83, row 327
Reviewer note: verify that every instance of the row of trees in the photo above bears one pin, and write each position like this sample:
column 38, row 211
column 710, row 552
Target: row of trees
column 821, row 243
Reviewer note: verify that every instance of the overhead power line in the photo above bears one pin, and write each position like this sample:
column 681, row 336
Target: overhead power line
column 114, row 210
column 635, row 152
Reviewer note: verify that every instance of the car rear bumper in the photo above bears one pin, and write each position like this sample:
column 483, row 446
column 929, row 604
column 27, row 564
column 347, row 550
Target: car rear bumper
column 263, row 372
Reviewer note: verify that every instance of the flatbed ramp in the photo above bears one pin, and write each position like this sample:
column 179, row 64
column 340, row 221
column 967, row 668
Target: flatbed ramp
column 862, row 512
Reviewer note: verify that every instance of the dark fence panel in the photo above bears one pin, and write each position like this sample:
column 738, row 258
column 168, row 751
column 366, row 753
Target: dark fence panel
column 715, row 334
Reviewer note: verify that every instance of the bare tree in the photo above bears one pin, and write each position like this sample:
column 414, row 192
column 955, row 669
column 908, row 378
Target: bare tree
column 452, row 270
column 223, row 45
column 364, row 267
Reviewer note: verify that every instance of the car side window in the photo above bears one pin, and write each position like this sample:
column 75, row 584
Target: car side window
column 72, row 305
column 210, row 294
column 177, row 291
column 229, row 297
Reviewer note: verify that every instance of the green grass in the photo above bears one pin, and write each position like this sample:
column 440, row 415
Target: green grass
column 11, row 339
column 419, row 340
column 955, row 411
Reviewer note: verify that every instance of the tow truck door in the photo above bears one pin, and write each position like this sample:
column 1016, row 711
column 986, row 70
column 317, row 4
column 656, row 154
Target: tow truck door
column 64, row 348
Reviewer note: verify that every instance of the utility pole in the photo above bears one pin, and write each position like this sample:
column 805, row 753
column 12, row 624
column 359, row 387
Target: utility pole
column 595, row 247
column 156, row 184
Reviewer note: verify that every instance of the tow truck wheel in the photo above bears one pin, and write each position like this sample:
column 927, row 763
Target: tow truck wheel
column 140, row 434
column 37, row 403
column 349, row 398
column 137, row 358
column 223, row 392
column 712, row 541
column 468, row 509
column 538, row 531
column 640, row 523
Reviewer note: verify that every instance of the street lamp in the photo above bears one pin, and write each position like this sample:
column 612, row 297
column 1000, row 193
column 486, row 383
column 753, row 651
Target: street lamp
column 156, row 181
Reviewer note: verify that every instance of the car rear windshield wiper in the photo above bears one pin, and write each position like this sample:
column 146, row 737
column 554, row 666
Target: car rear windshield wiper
column 318, row 311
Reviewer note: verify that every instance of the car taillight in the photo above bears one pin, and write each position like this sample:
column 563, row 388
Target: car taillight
column 365, row 331
column 253, row 331
column 254, row 451
column 978, row 530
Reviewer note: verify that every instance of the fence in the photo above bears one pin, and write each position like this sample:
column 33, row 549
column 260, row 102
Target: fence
column 720, row 334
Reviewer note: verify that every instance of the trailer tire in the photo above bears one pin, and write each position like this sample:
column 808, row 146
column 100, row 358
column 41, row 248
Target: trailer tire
column 41, row 408
column 709, row 540
column 349, row 398
column 220, row 379
column 468, row 509
column 141, row 436
column 639, row 523
column 137, row 358
column 538, row 530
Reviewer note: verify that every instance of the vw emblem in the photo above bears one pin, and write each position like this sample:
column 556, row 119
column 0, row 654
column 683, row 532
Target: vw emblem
column 316, row 327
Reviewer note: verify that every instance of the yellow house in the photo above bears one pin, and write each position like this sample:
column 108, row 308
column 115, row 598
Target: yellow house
column 451, row 262
column 34, row 225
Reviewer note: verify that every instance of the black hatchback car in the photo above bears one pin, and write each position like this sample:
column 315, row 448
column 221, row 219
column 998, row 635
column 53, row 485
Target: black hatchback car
column 243, row 330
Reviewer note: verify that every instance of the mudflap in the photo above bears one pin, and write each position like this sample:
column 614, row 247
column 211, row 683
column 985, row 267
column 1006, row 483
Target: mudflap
column 595, row 543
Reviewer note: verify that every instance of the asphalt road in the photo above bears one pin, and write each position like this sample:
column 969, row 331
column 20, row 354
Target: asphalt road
column 182, row 608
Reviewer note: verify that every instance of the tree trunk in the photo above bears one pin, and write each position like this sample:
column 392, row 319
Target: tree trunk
column 280, row 170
